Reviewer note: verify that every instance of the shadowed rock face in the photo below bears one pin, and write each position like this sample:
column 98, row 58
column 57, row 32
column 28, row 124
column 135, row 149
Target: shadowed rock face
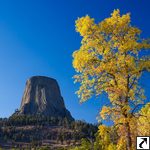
column 42, row 96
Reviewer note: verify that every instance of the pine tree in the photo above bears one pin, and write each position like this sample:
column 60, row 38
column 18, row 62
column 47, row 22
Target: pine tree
column 5, row 138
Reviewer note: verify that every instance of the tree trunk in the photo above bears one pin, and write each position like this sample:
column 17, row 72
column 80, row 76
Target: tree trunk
column 129, row 142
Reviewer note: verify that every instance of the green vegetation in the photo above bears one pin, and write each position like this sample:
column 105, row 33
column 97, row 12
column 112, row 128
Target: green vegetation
column 34, row 130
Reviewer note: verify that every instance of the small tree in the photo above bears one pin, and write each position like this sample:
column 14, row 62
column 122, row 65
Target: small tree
column 57, row 140
column 48, row 136
column 31, row 138
column 68, row 142
column 44, row 135
column 5, row 138
column 40, row 143
column 12, row 144
column 62, row 140
column 52, row 138
column 15, row 137
column 23, row 137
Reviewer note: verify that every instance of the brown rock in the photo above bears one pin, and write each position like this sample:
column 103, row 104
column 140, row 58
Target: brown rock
column 42, row 96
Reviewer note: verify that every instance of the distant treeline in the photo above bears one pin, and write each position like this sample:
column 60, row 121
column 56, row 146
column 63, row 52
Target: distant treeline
column 27, row 119
column 79, row 130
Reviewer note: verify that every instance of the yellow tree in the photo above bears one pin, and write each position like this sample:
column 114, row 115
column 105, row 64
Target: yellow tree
column 104, row 133
column 108, row 61
column 143, row 122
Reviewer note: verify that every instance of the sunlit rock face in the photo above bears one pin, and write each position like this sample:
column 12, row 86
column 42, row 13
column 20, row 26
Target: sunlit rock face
column 42, row 97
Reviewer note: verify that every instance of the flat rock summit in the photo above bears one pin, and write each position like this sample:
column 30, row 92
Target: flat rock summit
column 42, row 97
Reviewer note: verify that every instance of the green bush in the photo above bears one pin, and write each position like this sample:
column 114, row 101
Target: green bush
column 61, row 148
column 45, row 148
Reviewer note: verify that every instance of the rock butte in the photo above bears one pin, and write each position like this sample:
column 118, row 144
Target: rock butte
column 42, row 97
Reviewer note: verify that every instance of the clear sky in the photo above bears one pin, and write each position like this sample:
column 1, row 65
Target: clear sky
column 37, row 37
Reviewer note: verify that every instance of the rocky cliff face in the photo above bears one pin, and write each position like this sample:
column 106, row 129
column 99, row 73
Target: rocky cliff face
column 42, row 96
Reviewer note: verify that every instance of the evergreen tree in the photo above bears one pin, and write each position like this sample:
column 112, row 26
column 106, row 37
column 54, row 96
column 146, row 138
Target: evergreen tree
column 5, row 138
column 48, row 136
column 12, row 144
column 44, row 135
column 62, row 141
column 40, row 143
column 52, row 138
column 57, row 140
column 23, row 137
column 68, row 142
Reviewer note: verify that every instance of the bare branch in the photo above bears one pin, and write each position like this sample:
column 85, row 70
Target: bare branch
column 133, row 82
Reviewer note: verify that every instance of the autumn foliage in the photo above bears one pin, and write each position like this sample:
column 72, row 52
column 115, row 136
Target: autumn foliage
column 109, row 61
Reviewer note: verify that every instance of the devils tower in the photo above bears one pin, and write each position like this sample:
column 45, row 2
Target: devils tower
column 42, row 97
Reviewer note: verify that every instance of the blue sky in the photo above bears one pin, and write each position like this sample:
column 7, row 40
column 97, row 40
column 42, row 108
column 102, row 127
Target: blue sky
column 37, row 37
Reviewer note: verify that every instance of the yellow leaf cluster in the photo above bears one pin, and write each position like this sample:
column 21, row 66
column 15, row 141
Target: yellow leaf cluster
column 143, row 122
column 104, row 134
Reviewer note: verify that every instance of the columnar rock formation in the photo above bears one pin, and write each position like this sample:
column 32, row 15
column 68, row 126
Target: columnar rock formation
column 42, row 96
